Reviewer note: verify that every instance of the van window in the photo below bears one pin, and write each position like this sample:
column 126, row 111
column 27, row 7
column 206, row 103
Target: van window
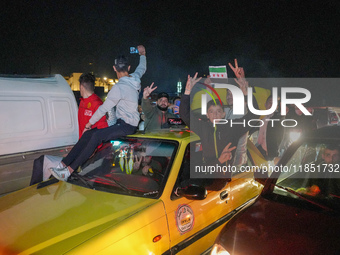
column 21, row 115
column 62, row 118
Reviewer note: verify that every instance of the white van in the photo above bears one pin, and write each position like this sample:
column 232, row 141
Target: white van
column 38, row 115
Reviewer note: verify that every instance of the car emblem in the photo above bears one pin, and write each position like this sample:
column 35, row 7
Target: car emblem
column 185, row 218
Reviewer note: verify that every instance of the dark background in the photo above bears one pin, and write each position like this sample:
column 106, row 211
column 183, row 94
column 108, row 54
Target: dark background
column 269, row 38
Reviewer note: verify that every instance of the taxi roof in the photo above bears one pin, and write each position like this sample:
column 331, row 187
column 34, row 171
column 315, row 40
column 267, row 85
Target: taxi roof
column 177, row 134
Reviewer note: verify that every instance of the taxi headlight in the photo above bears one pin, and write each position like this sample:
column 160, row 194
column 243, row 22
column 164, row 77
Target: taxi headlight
column 219, row 250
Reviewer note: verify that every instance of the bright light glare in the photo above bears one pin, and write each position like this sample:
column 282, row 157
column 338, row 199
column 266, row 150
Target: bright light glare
column 218, row 250
column 294, row 136
column 115, row 143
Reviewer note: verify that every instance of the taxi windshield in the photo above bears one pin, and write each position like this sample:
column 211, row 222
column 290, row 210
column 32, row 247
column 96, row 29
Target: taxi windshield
column 130, row 166
column 312, row 174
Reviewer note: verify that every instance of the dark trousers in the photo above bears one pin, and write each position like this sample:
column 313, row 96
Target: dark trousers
column 90, row 140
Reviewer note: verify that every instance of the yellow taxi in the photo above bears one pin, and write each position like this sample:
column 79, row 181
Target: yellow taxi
column 133, row 196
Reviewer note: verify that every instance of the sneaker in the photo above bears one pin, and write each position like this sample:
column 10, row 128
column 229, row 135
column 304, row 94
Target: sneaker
column 61, row 174
column 60, row 166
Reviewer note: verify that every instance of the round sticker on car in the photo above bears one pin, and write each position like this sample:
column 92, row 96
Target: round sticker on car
column 184, row 218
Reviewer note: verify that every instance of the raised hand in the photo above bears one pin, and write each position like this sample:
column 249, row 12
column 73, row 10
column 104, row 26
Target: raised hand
column 141, row 50
column 191, row 83
column 238, row 71
column 136, row 164
column 243, row 84
column 148, row 90
column 207, row 80
column 240, row 77
column 226, row 154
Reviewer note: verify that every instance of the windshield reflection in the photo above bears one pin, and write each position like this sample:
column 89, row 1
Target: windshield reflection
column 312, row 174
column 130, row 166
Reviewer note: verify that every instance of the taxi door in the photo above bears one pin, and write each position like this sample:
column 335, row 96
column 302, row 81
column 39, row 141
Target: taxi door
column 195, row 224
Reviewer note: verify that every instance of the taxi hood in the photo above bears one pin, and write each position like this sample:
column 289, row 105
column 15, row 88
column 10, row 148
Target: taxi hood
column 33, row 219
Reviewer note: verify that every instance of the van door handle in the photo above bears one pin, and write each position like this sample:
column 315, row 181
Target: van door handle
column 224, row 195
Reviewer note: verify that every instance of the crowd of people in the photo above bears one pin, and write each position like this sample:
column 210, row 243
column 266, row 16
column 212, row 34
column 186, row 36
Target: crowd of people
column 222, row 144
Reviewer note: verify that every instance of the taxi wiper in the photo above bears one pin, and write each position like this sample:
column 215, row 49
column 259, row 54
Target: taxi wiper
column 47, row 183
column 114, row 181
column 72, row 177
column 82, row 179
column 304, row 198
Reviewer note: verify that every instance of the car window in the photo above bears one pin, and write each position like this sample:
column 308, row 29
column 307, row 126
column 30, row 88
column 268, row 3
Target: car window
column 312, row 172
column 192, row 156
column 131, row 166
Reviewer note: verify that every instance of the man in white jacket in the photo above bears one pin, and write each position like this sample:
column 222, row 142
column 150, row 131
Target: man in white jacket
column 124, row 96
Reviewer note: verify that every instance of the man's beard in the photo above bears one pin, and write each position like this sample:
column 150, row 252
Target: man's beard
column 162, row 108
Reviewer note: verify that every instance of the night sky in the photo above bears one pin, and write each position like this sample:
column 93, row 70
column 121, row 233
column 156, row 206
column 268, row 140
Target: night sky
column 269, row 38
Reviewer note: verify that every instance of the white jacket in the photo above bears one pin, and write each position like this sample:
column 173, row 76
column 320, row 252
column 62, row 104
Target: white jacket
column 124, row 95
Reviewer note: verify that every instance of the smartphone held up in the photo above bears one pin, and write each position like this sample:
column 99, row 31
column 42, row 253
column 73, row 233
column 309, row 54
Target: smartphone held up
column 133, row 50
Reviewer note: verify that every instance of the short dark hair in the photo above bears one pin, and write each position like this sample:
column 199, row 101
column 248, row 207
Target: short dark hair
column 122, row 64
column 214, row 103
column 87, row 80
column 175, row 98
column 333, row 147
column 162, row 94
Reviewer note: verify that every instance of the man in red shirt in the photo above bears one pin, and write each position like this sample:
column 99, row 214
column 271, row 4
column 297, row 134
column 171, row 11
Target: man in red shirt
column 89, row 103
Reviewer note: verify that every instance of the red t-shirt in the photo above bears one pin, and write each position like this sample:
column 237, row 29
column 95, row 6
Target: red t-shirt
column 87, row 107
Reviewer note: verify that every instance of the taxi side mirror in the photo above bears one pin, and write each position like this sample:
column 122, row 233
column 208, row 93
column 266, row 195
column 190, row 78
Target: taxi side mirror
column 192, row 192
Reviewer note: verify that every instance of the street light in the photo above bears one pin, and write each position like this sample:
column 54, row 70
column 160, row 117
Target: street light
column 106, row 87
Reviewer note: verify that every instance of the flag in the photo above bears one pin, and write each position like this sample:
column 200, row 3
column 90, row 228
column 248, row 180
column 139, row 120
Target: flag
column 218, row 71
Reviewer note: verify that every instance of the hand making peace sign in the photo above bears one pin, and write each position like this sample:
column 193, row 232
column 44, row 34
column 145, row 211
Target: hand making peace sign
column 191, row 83
column 148, row 90
column 226, row 154
column 238, row 71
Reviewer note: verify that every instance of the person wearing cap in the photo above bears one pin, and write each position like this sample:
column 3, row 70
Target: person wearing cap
column 156, row 117
column 124, row 97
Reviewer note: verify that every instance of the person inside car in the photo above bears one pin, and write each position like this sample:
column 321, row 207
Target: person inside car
column 146, row 165
column 324, row 178
column 218, row 142
column 331, row 154
column 149, row 166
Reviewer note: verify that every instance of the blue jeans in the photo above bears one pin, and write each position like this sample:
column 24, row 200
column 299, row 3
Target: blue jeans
column 90, row 140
